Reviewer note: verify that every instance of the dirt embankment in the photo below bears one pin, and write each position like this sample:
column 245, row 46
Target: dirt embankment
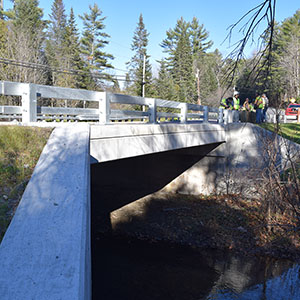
column 224, row 222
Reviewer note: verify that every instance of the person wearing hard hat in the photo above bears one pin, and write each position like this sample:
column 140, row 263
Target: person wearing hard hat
column 236, row 100
column 258, row 105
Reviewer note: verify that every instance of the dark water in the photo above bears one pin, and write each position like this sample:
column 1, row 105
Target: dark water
column 132, row 270
column 135, row 270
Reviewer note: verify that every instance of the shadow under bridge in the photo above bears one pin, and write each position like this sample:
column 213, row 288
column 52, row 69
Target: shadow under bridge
column 131, row 163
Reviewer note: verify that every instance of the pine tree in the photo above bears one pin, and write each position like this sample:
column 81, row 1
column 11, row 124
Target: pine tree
column 170, row 43
column 199, row 37
column 25, row 38
column 94, row 39
column 183, row 69
column 289, row 47
column 73, row 60
column 185, row 46
column 140, row 68
column 56, row 46
column 180, row 60
column 165, row 87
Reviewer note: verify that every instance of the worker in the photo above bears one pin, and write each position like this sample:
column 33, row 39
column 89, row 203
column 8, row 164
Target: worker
column 245, row 113
column 252, row 112
column 246, row 105
column 265, row 107
column 292, row 100
column 236, row 100
column 258, row 106
column 226, row 103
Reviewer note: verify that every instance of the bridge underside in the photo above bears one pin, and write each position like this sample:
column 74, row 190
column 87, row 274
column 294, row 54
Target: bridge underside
column 119, row 182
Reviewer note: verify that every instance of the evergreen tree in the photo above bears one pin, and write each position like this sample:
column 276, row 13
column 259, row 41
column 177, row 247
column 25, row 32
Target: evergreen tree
column 25, row 38
column 165, row 87
column 56, row 43
column 140, row 68
column 94, row 39
column 289, row 50
column 199, row 37
column 183, row 69
column 73, row 60
column 169, row 44
column 185, row 44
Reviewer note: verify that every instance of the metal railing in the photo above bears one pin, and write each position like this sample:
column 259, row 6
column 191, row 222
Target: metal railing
column 102, row 107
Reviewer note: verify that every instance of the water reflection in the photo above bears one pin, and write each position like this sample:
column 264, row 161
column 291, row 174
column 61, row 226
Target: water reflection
column 138, row 270
column 283, row 287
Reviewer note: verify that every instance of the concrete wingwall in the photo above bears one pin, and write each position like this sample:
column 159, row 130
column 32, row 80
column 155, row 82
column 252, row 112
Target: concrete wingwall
column 45, row 253
column 236, row 162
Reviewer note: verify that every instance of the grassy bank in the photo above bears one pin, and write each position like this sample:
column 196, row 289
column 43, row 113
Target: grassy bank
column 20, row 149
column 289, row 131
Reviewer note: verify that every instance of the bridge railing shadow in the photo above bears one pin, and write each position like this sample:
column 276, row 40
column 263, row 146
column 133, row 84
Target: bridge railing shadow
column 45, row 252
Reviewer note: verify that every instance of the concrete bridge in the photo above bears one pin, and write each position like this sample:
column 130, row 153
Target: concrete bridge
column 45, row 253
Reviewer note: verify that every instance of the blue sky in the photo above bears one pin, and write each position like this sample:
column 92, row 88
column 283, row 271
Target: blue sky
column 160, row 15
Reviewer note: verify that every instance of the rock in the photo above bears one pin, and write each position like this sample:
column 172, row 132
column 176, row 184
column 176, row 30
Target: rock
column 242, row 229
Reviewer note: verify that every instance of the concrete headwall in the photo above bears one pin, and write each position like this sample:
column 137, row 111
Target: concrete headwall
column 112, row 142
column 45, row 253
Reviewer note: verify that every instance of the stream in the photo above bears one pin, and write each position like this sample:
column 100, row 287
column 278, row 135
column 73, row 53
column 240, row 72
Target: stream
column 132, row 269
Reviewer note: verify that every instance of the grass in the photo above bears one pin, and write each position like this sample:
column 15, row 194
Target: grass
column 20, row 149
column 289, row 131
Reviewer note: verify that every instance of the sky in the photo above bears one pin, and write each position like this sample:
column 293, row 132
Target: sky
column 159, row 16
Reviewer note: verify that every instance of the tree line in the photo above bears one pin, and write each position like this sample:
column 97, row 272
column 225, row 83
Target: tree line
column 54, row 52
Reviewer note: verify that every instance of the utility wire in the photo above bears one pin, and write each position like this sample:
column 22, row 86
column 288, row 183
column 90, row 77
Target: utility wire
column 63, row 71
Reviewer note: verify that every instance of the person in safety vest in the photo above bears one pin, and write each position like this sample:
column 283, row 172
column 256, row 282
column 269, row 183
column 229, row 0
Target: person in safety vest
column 226, row 103
column 258, row 105
column 236, row 100
column 292, row 100
column 246, row 105
column 265, row 107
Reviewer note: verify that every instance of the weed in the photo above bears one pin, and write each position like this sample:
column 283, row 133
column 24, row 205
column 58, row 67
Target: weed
column 20, row 148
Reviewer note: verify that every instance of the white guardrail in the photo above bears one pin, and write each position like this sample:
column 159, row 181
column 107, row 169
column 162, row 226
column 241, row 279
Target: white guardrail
column 150, row 110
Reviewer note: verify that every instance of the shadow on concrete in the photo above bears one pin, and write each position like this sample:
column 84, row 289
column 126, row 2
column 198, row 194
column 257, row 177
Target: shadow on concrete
column 119, row 182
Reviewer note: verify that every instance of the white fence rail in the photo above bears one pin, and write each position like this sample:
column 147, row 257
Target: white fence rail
column 103, row 107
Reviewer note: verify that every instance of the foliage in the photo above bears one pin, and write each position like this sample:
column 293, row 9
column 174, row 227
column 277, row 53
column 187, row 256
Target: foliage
column 140, row 68
column 93, row 41
column 24, row 39
column 196, row 73
column 20, row 148
column 164, row 84
column 55, row 46
column 55, row 52
column 73, row 59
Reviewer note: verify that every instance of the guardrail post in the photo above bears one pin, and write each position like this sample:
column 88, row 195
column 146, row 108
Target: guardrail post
column 29, row 103
column 226, row 116
column 221, row 116
column 236, row 116
column 205, row 114
column 151, row 102
column 104, row 108
column 284, row 119
column 183, row 112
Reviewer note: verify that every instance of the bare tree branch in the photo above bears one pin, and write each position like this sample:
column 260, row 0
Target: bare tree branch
column 253, row 19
